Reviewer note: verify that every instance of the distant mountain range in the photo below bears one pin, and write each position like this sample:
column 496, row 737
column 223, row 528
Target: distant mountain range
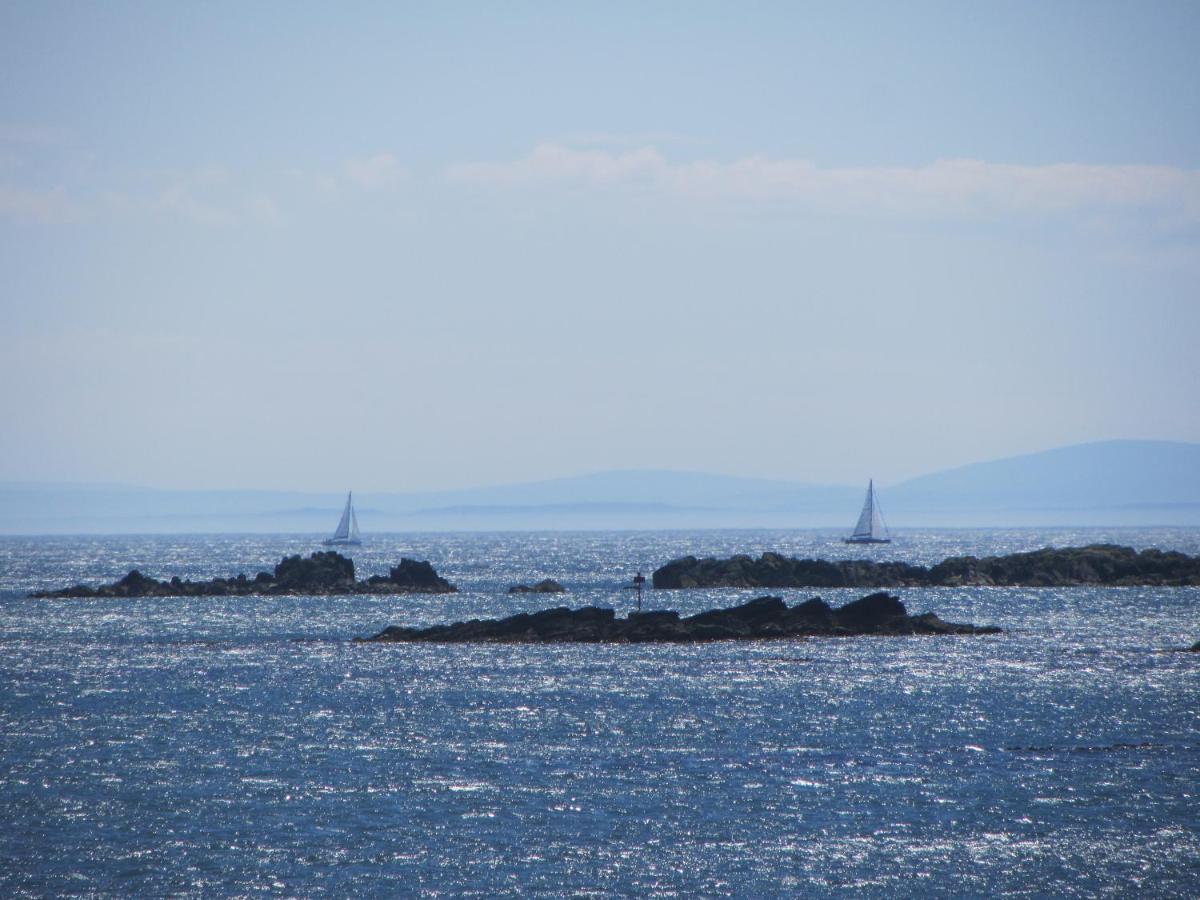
column 1108, row 483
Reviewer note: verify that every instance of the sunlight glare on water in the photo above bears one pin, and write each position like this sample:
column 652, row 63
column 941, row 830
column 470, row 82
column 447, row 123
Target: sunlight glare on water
column 243, row 745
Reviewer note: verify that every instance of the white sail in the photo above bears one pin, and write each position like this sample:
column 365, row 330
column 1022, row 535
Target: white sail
column 343, row 529
column 347, row 529
column 870, row 527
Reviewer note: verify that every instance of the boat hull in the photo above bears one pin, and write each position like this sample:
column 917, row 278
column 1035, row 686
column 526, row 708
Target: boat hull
column 341, row 542
column 851, row 540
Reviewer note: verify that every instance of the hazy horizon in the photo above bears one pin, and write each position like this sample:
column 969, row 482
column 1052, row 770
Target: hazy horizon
column 425, row 247
column 1115, row 483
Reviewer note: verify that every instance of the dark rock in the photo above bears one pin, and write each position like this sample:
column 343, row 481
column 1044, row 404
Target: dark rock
column 559, row 624
column 655, row 626
column 135, row 584
column 323, row 569
column 742, row 620
column 1105, row 564
column 763, row 618
column 815, row 610
column 545, row 586
column 871, row 611
column 413, row 575
column 1096, row 564
column 774, row 571
column 322, row 573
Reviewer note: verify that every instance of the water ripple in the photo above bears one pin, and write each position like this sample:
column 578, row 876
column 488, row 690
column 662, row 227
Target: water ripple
column 238, row 746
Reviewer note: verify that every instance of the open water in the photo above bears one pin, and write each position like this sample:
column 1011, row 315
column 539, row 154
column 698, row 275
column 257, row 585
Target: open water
column 244, row 747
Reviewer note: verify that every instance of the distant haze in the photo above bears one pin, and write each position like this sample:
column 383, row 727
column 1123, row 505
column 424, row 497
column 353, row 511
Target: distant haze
column 420, row 247
column 1113, row 483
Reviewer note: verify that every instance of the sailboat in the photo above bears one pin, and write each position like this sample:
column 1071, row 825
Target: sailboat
column 870, row 528
column 347, row 530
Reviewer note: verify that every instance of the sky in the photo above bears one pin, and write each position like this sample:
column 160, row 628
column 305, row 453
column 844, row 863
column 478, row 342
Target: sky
column 423, row 246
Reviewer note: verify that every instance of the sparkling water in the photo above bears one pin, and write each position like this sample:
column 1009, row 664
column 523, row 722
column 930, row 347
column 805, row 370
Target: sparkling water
column 243, row 746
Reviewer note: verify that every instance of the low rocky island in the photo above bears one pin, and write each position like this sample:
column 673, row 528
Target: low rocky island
column 1098, row 564
column 322, row 573
column 545, row 586
column 766, row 617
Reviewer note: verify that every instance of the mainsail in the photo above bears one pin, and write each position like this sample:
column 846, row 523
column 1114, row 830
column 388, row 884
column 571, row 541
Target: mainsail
column 347, row 529
column 870, row 527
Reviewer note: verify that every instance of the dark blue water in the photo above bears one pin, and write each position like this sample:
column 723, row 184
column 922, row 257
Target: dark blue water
column 241, row 746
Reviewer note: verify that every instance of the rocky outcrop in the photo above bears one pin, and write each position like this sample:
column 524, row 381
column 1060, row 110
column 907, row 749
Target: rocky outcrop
column 774, row 571
column 1095, row 564
column 545, row 586
column 322, row 573
column 1104, row 564
column 766, row 617
column 410, row 576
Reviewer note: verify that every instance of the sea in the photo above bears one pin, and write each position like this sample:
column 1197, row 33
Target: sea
column 246, row 747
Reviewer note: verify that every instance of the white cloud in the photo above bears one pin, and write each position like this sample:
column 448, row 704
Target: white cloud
column 44, row 207
column 555, row 163
column 951, row 188
column 376, row 172
column 207, row 196
column 322, row 184
column 264, row 210
column 186, row 199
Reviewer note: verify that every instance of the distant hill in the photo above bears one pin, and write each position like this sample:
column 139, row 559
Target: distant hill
column 1110, row 475
column 680, row 490
column 1109, row 483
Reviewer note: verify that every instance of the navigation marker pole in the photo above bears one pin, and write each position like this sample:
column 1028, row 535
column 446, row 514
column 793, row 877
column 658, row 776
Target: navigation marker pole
column 638, row 580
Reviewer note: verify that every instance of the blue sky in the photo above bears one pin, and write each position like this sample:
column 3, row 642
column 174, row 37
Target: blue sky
column 423, row 246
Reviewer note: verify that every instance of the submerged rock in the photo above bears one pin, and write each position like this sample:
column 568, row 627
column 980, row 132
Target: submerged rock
column 322, row 573
column 765, row 617
column 1104, row 564
column 545, row 586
